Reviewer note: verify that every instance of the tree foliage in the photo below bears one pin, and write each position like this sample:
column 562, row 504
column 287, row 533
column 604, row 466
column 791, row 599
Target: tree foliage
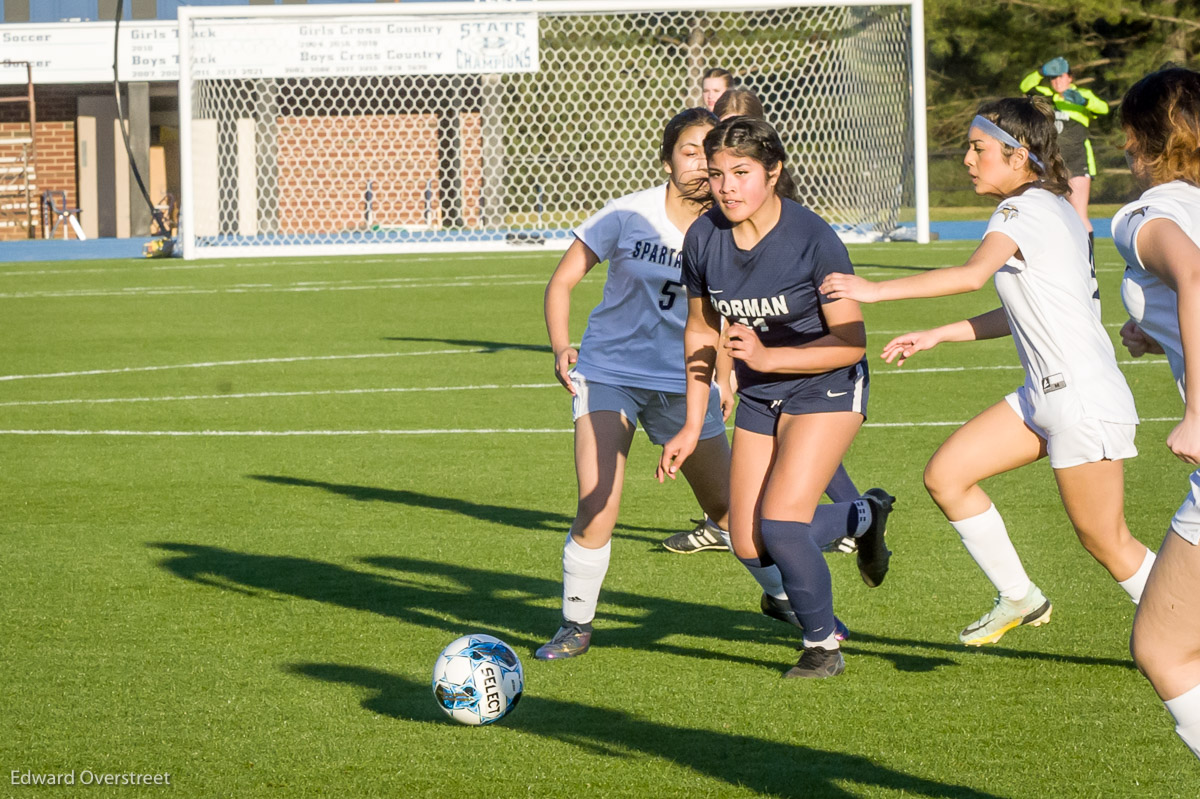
column 980, row 49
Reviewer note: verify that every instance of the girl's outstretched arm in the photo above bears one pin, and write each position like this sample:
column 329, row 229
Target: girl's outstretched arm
column 993, row 324
column 991, row 254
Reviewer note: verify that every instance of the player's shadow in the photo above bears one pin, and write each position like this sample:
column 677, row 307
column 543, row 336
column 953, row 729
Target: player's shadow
column 905, row 662
column 489, row 346
column 522, row 518
column 767, row 767
column 449, row 597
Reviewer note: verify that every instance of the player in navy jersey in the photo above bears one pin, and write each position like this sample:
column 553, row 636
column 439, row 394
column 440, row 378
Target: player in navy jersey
column 629, row 369
column 740, row 101
column 1074, row 408
column 1159, row 237
column 756, row 261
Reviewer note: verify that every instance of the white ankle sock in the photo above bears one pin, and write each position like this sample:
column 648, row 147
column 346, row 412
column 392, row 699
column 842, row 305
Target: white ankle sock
column 829, row 644
column 986, row 539
column 1185, row 709
column 583, row 574
column 1137, row 583
column 766, row 576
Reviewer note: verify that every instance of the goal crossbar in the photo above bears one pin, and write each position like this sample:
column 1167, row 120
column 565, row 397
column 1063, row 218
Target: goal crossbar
column 318, row 132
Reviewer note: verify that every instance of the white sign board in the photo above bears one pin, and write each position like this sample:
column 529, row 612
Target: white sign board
column 82, row 52
column 312, row 47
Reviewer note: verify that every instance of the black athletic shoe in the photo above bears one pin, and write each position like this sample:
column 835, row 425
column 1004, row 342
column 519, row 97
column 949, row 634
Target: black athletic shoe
column 881, row 495
column 781, row 609
column 817, row 663
column 873, row 554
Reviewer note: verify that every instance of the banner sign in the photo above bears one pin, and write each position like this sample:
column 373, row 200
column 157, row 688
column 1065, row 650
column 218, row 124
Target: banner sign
column 82, row 52
column 253, row 48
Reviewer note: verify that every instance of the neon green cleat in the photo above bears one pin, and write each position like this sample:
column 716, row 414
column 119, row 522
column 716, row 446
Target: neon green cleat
column 1033, row 610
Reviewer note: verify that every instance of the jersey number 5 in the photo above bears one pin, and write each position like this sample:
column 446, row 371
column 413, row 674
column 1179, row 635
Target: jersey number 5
column 670, row 292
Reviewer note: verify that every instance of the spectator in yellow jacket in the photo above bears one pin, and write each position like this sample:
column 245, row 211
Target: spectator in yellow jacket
column 1074, row 110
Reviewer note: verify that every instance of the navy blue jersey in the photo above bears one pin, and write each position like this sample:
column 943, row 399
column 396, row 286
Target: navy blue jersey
column 771, row 287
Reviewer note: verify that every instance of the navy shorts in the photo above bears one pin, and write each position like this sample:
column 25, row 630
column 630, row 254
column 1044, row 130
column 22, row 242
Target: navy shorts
column 840, row 390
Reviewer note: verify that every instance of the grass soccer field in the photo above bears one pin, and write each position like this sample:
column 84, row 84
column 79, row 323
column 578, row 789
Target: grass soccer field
column 246, row 503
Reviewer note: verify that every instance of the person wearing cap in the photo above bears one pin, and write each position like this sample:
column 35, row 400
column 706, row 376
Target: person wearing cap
column 1074, row 110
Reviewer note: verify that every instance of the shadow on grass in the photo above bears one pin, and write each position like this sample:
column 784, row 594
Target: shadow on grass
column 523, row 518
column 454, row 597
column 767, row 767
column 905, row 662
column 490, row 346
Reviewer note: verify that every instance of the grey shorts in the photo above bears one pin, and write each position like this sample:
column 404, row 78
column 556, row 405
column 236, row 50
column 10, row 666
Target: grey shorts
column 662, row 414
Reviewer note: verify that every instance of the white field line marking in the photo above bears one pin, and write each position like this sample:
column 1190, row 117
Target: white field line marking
column 877, row 372
column 450, row 431
column 872, row 332
column 399, row 260
column 475, row 281
column 209, row 364
column 270, row 394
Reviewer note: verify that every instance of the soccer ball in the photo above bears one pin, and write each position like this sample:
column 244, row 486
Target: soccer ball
column 478, row 679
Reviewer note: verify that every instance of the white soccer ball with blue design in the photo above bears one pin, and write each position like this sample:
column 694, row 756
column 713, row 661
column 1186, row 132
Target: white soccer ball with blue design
column 478, row 679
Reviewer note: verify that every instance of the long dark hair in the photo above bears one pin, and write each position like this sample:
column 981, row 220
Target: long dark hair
column 689, row 118
column 753, row 138
column 1030, row 120
column 1161, row 112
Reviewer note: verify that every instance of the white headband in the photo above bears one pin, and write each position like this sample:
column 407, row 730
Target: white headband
column 1004, row 137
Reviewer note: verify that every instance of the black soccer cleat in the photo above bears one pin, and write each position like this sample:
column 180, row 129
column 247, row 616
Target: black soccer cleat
column 817, row 663
column 873, row 554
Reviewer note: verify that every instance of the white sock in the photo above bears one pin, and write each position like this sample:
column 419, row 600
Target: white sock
column 1185, row 709
column 1137, row 583
column 583, row 574
column 766, row 576
column 986, row 539
column 829, row 644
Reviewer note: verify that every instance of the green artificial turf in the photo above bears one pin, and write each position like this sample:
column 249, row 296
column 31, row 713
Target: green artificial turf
column 277, row 488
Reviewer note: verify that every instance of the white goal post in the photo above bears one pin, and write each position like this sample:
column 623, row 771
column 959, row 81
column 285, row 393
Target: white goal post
column 458, row 126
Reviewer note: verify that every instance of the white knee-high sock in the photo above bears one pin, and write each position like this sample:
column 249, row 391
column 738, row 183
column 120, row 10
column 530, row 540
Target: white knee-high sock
column 986, row 539
column 1185, row 709
column 768, row 577
column 1137, row 583
column 583, row 574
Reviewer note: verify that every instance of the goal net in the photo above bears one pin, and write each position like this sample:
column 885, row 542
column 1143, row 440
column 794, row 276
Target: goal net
column 326, row 129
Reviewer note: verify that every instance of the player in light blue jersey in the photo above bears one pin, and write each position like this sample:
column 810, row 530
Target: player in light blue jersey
column 1158, row 235
column 1074, row 407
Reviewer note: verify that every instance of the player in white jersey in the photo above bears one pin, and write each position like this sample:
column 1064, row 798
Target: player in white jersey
column 630, row 368
column 1074, row 406
column 1158, row 235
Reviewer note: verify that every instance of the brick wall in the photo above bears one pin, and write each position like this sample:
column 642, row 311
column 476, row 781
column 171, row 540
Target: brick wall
column 55, row 167
column 325, row 163
column 54, row 170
